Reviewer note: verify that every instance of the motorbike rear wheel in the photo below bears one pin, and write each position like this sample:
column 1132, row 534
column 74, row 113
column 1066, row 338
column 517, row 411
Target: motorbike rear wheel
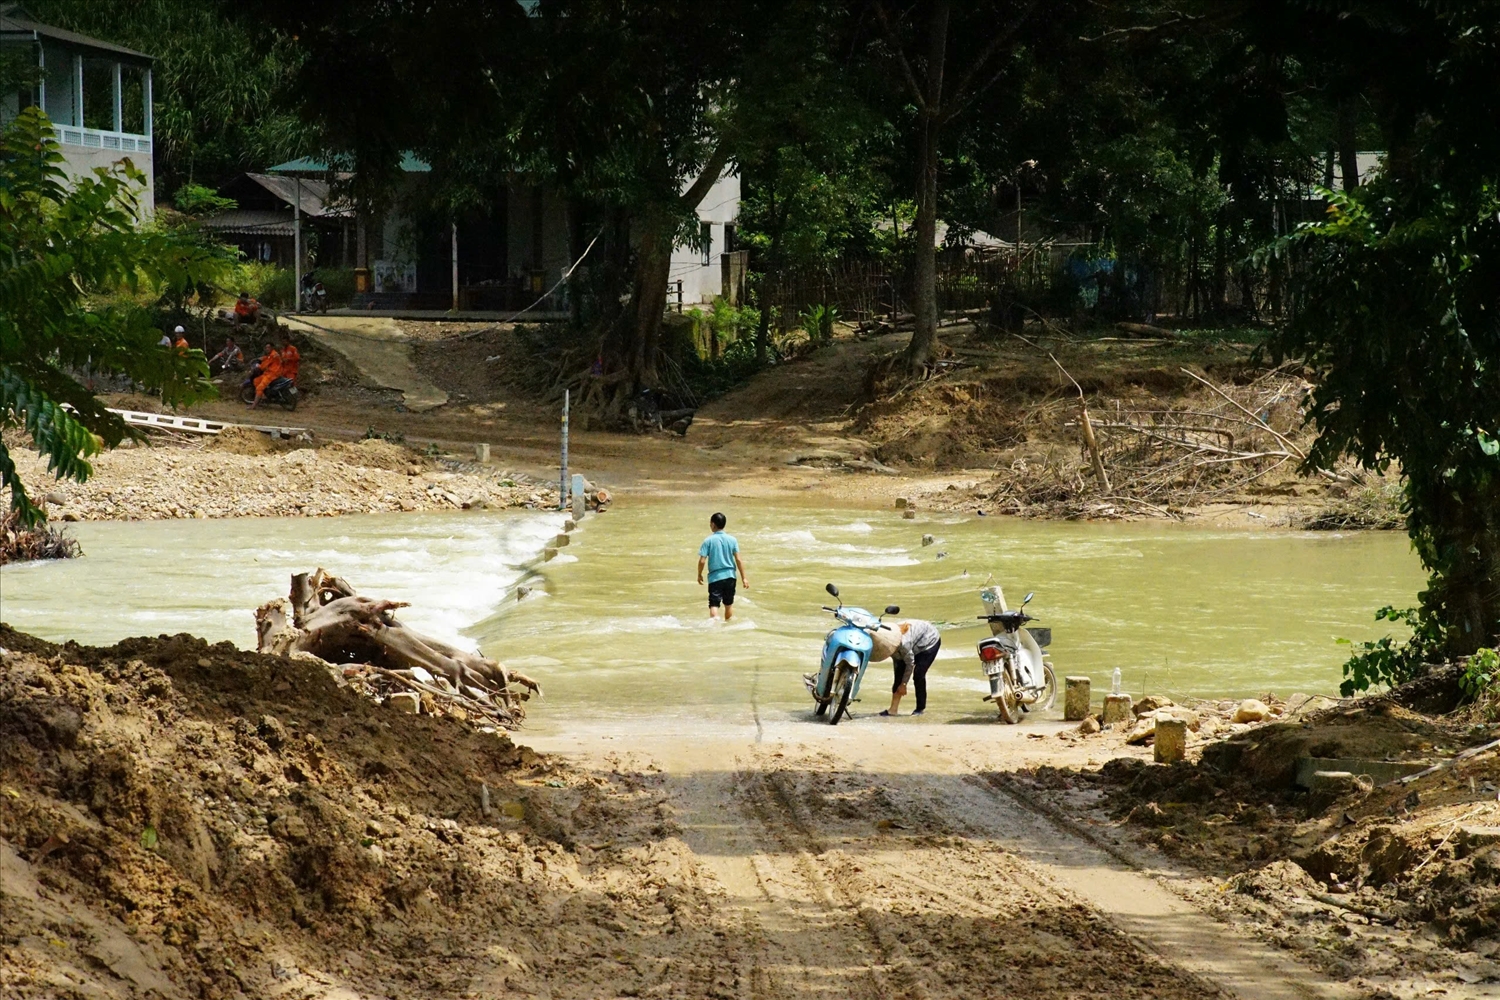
column 1006, row 701
column 843, row 687
column 1048, row 696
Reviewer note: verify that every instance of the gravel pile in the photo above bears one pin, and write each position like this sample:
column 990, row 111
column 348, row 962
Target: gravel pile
column 218, row 478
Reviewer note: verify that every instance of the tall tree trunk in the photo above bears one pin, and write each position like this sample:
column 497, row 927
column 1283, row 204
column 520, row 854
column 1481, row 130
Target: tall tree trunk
column 653, row 267
column 924, row 333
column 1348, row 142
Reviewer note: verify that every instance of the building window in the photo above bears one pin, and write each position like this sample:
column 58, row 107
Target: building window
column 706, row 236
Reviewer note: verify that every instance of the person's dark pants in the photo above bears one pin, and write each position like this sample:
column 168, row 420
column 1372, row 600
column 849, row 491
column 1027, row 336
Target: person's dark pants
column 721, row 592
column 919, row 673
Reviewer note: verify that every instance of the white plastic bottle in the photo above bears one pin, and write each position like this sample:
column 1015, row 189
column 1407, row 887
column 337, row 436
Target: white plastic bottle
column 1114, row 684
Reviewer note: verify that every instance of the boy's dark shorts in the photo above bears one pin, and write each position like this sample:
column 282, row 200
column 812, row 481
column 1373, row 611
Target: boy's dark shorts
column 721, row 592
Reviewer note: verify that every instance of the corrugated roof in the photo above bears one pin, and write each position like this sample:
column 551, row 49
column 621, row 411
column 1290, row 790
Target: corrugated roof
column 314, row 194
column 250, row 222
column 14, row 20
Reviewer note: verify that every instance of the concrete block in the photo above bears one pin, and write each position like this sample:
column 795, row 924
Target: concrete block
column 549, row 554
column 562, row 541
column 405, row 701
column 1171, row 740
column 1076, row 698
column 1117, row 710
column 901, row 503
column 569, row 524
column 909, row 514
column 482, row 453
column 1379, row 771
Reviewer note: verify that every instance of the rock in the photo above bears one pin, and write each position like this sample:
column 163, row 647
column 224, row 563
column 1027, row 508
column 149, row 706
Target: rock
column 1089, row 726
column 1251, row 710
column 272, row 731
column 1116, row 709
column 927, row 540
column 909, row 514
column 71, row 516
column 1077, row 700
column 901, row 503
column 1171, row 740
column 521, row 593
column 290, row 827
column 405, row 701
column 1144, row 731
column 204, row 662
column 407, row 504
column 1151, row 703
column 55, row 497
column 374, row 829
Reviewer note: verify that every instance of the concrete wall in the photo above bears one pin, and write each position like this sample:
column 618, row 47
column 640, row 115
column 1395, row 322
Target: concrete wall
column 80, row 161
column 702, row 282
column 533, row 215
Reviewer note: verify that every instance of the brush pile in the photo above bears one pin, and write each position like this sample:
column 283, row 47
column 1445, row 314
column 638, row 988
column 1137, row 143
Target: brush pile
column 324, row 618
column 21, row 544
column 1155, row 458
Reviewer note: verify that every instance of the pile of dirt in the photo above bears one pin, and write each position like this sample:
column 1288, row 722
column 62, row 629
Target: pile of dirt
column 1370, row 880
column 186, row 820
column 241, row 441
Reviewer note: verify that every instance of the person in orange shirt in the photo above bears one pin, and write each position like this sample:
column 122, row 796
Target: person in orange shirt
column 179, row 340
column 246, row 311
column 291, row 358
column 268, row 370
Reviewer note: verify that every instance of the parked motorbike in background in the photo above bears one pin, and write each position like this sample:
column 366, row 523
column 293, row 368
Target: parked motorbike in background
column 1015, row 664
column 846, row 654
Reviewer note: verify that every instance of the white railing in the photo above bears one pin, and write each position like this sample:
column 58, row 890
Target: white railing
column 94, row 138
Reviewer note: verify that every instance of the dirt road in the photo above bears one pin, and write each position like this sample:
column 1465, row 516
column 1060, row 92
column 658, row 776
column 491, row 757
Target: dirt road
column 895, row 863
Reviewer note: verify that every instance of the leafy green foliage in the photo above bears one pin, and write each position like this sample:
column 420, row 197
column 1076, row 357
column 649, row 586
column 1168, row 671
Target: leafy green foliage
column 1392, row 661
column 1481, row 673
column 197, row 200
column 66, row 254
column 818, row 322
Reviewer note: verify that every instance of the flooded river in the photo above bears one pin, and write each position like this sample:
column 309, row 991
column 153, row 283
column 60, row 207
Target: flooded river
column 618, row 628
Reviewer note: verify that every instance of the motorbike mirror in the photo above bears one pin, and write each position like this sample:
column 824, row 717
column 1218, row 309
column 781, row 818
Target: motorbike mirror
column 1028, row 599
column 892, row 609
column 832, row 590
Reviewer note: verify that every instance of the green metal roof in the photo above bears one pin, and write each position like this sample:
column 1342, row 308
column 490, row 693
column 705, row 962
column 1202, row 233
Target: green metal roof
column 410, row 164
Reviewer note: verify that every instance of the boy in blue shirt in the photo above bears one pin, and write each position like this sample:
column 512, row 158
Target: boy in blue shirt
column 720, row 555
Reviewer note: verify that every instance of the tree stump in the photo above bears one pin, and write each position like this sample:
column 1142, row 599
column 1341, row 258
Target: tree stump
column 1171, row 740
column 1116, row 710
column 1076, row 698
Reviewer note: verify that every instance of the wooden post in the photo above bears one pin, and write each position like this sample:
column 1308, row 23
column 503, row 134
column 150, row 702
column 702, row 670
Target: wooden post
column 455, row 267
column 1171, row 740
column 1076, row 698
column 562, row 483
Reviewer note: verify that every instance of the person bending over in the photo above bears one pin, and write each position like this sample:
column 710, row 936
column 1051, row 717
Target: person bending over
column 919, row 646
column 720, row 555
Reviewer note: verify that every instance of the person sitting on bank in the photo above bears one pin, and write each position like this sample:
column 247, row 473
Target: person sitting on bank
column 231, row 358
column 291, row 358
column 267, row 370
column 246, row 310
column 720, row 555
column 919, row 646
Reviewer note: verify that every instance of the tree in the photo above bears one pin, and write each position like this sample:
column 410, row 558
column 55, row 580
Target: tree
column 947, row 58
column 73, row 263
column 1397, row 301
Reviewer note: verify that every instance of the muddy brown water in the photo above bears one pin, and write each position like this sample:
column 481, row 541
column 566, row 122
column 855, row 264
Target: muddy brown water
column 617, row 628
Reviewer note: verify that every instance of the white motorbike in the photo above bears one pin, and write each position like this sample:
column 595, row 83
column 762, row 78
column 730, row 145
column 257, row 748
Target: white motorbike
column 1013, row 658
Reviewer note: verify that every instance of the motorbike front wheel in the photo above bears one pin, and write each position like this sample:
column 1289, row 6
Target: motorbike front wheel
column 1006, row 701
column 822, row 709
column 843, row 687
column 247, row 392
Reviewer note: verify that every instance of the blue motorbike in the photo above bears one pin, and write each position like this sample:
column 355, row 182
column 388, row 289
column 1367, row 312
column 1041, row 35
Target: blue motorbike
column 846, row 654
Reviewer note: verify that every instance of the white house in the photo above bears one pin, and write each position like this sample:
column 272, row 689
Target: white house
column 97, row 94
column 698, row 272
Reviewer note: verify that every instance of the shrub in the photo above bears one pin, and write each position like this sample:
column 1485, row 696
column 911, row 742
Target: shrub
column 1390, row 661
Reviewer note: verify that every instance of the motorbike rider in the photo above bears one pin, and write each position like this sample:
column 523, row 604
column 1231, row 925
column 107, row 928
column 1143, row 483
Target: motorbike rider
column 267, row 370
column 291, row 358
column 915, row 652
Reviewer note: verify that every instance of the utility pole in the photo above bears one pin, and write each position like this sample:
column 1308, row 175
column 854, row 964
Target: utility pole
column 297, row 245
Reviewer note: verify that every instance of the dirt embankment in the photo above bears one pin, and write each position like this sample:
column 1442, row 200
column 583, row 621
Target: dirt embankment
column 1389, row 883
column 244, row 473
column 186, row 820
